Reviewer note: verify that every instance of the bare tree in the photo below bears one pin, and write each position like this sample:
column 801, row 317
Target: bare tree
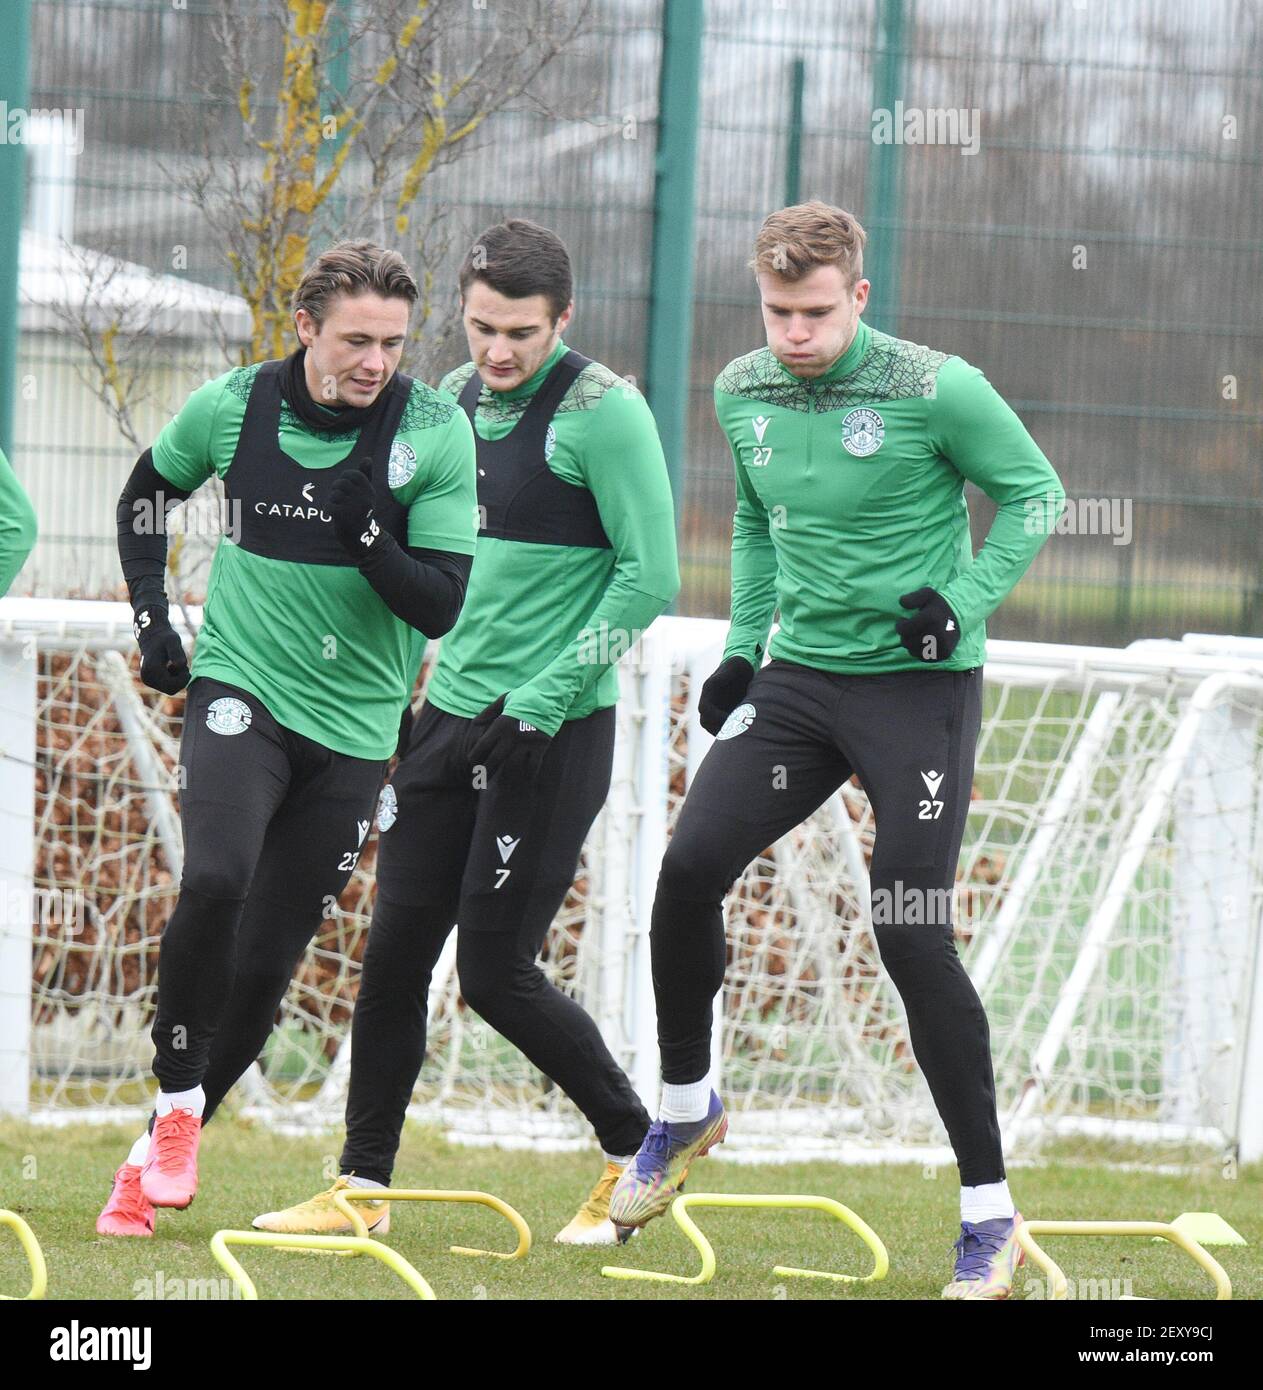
column 123, row 317
column 321, row 121
column 369, row 102
column 318, row 121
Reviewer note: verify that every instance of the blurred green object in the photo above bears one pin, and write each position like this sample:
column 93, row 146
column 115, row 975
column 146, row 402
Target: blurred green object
column 1207, row 1228
column 293, row 1053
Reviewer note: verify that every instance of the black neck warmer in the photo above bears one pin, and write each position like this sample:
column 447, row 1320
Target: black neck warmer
column 339, row 418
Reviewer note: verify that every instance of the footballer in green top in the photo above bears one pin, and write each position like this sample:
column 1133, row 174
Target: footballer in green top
column 851, row 451
column 526, row 592
column 349, row 662
column 17, row 525
column 350, row 510
column 510, row 758
column 850, row 494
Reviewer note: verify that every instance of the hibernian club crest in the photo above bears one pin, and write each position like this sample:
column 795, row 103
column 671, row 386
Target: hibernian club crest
column 402, row 465
column 737, row 722
column 862, row 432
column 228, row 715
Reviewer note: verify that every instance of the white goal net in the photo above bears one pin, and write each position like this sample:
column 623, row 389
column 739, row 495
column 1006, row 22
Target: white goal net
column 1108, row 908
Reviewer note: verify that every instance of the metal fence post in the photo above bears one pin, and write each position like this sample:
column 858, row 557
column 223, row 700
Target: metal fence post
column 17, row 869
column 671, row 286
column 14, row 89
column 794, row 147
column 881, row 219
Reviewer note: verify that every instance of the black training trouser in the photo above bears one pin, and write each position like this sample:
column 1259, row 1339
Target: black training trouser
column 273, row 827
column 800, row 733
column 499, row 860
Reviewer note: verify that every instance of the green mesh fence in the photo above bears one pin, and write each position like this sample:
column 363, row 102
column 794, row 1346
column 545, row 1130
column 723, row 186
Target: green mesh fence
column 1066, row 199
column 1097, row 255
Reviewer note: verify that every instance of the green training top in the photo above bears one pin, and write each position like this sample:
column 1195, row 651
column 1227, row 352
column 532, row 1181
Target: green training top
column 17, row 525
column 850, row 493
column 547, row 623
column 315, row 642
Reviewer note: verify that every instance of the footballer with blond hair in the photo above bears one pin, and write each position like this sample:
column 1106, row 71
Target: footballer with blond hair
column 851, row 450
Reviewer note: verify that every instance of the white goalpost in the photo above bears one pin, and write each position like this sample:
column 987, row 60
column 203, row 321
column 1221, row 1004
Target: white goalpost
column 1108, row 908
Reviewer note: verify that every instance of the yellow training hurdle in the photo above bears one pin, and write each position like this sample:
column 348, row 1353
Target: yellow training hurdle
column 361, row 1243
column 1058, row 1284
column 346, row 1199
column 352, row 1245
column 34, row 1256
column 680, row 1212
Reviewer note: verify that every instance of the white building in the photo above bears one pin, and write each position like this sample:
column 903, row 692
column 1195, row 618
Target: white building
column 69, row 451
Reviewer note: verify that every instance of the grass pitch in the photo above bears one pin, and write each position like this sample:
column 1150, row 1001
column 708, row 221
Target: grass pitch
column 59, row 1179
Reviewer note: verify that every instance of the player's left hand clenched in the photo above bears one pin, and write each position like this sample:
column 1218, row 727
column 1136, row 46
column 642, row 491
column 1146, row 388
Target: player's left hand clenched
column 351, row 505
column 932, row 634
column 509, row 747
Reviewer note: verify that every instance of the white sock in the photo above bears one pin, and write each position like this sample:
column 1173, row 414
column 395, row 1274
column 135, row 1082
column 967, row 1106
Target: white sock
column 682, row 1104
column 140, row 1151
column 986, row 1202
column 194, row 1100
column 621, row 1159
column 353, row 1181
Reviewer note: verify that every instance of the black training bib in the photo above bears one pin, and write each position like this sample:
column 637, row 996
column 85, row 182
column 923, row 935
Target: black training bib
column 520, row 498
column 282, row 506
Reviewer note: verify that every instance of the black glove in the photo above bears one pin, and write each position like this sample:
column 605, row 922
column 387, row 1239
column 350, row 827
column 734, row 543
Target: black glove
column 163, row 665
column 509, row 748
column 723, row 691
column 933, row 633
column 351, row 505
